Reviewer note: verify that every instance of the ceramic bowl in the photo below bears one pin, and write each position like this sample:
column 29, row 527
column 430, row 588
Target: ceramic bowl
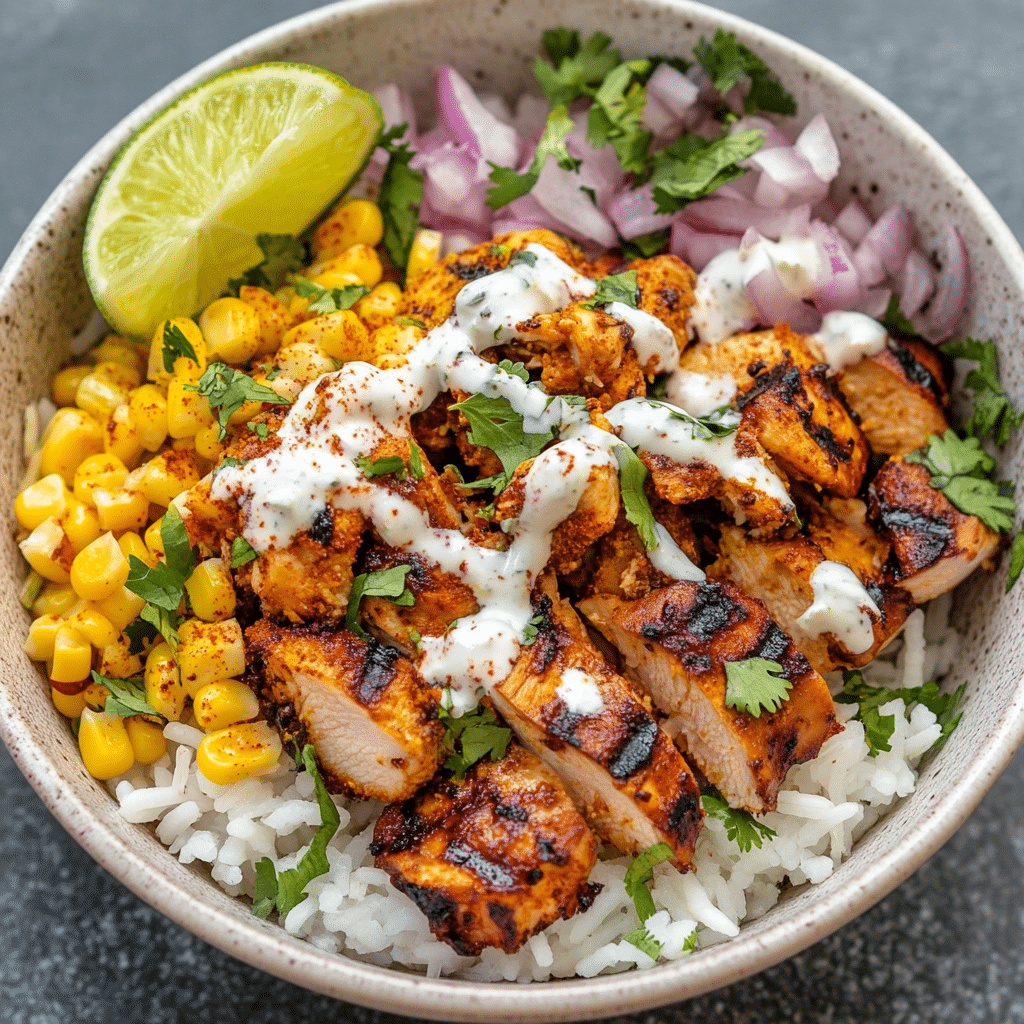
column 44, row 301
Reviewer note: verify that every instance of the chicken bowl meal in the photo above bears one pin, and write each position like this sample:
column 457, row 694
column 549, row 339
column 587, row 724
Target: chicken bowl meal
column 511, row 531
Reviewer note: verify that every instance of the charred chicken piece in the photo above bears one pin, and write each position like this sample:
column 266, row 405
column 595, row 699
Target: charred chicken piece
column 492, row 858
column 935, row 546
column 666, row 286
column 677, row 640
column 632, row 784
column 371, row 717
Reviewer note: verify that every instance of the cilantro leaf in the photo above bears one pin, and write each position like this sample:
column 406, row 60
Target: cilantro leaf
column 496, row 425
column 175, row 345
column 640, row 872
column 632, row 474
column 755, row 684
column 164, row 622
column 260, row 429
column 615, row 288
column 471, row 738
column 389, row 583
column 741, row 827
column 242, row 553
column 721, row 422
column 139, row 633
column 727, row 62
column 515, row 370
column 616, row 115
column 401, row 190
column 415, row 460
column 329, row 300
column 265, row 893
column 644, row 941
column 691, row 942
column 577, row 70
column 895, row 322
column 125, row 697
column 227, row 390
column 645, row 246
column 691, row 167
column 282, row 255
column 291, row 884
column 994, row 413
column 560, row 43
column 381, row 467
column 530, row 630
column 1016, row 560
column 179, row 553
column 160, row 585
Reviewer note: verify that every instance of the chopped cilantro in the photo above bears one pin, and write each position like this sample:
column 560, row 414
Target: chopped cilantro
column 125, row 697
column 415, row 638
column 530, row 630
column 994, row 413
column 415, row 460
column 401, row 190
column 265, row 891
column 175, row 345
column 329, row 300
column 163, row 622
column 1016, row 560
column 227, row 390
column 644, row 941
column 632, row 474
column 894, row 321
column 616, row 115
column 282, row 255
column 260, row 429
column 727, row 62
column 755, row 684
column 691, row 942
column 575, row 70
column 960, row 468
column 615, row 288
column 640, row 872
column 389, row 464
column 645, row 246
column 523, row 256
column 472, row 737
column 720, row 422
column 139, row 633
column 741, row 827
column 389, row 583
column 410, row 321
column 515, row 370
column 242, row 553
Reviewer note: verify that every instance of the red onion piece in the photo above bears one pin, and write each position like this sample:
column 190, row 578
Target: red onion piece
column 773, row 136
column 816, row 145
column 775, row 304
column 396, row 106
column 869, row 265
column 915, row 282
column 853, row 221
column 950, row 301
column 837, row 284
column 633, row 212
column 470, row 122
column 698, row 248
column 874, row 302
column 892, row 238
column 787, row 178
column 734, row 216
column 459, row 240
column 672, row 89
column 658, row 119
column 453, row 187
column 559, row 192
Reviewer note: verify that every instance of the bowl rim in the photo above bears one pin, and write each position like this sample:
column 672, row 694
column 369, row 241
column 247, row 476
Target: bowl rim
column 270, row 948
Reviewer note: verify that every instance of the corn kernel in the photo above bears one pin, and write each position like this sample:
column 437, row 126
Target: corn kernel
column 303, row 362
column 273, row 316
column 224, row 702
column 72, row 436
column 208, row 444
column 425, row 253
column 64, row 385
column 121, row 436
column 380, row 306
column 231, row 328
column 393, row 341
column 238, row 752
column 106, row 471
column 70, row 705
column 188, row 412
column 116, row 349
column 148, row 406
column 146, row 738
column 95, row 695
column 120, row 510
column 95, row 627
column 210, row 651
column 132, row 544
column 114, row 661
column 354, row 222
column 340, row 335
column 37, row 502
column 81, row 525
column 122, row 607
column 361, row 260
column 211, row 591
column 41, row 636
column 168, row 474
column 48, row 551
column 183, row 367
column 154, row 539
column 104, row 743
column 100, row 393
column 55, row 599
column 72, row 655
column 330, row 279
column 99, row 569
column 164, row 690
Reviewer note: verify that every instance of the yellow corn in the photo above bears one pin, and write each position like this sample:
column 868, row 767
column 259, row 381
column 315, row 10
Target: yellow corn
column 95, row 627
column 115, row 349
column 380, row 306
column 182, row 367
column 208, row 444
column 425, row 252
column 232, row 330
column 48, row 551
column 122, row 607
column 361, row 260
column 72, row 436
column 55, row 599
column 104, row 389
column 146, row 738
column 188, row 412
column 224, row 702
column 121, row 436
column 41, row 636
column 81, row 525
column 104, row 743
column 238, row 752
column 72, row 656
column 273, row 316
column 340, row 335
column 328, row 278
column 106, row 471
column 210, row 651
column 120, row 510
column 168, row 474
column 354, row 222
column 70, row 705
column 303, row 362
column 132, row 544
column 154, row 539
column 392, row 342
column 164, row 691
column 64, row 385
column 114, row 661
column 148, row 406
column 211, row 591
column 45, row 498
column 99, row 569
column 95, row 696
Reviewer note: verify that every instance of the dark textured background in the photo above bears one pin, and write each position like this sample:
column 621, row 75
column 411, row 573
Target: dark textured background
column 76, row 946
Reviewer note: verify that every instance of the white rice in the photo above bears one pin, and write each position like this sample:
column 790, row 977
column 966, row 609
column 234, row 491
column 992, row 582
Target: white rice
column 824, row 807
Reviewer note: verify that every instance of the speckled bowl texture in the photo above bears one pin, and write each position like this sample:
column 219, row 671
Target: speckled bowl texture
column 886, row 159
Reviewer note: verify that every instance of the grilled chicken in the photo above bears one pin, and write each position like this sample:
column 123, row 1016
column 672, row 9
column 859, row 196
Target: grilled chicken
column 666, row 284
column 779, row 573
column 900, row 396
column 935, row 546
column 371, row 717
column 492, row 858
column 677, row 640
column 623, row 771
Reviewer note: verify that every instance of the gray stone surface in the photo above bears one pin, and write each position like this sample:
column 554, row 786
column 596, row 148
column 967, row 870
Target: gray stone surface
column 77, row 946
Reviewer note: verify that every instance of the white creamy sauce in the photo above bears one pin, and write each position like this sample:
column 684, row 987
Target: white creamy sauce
column 652, row 339
column 845, row 337
column 668, row 557
column 580, row 693
column 699, row 393
column 841, row 607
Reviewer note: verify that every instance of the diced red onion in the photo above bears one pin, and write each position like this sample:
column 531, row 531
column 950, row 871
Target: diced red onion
column 869, row 265
column 837, row 285
column 773, row 136
column 453, row 187
column 734, row 216
column 672, row 89
column 874, row 302
column 698, row 248
column 659, row 120
column 396, row 106
column 601, row 169
column 775, row 304
column 916, row 282
column 558, row 191
column 816, row 145
column 633, row 212
column 470, row 122
column 950, row 300
column 787, row 178
column 891, row 237
column 853, row 221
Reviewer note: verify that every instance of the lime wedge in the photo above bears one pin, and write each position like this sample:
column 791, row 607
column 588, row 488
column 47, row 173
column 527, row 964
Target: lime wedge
column 266, row 148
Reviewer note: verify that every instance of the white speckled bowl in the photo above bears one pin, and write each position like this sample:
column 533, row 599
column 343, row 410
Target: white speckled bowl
column 44, row 300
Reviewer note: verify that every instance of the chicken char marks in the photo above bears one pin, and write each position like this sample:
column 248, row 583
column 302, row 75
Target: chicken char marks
column 492, row 858
column 676, row 642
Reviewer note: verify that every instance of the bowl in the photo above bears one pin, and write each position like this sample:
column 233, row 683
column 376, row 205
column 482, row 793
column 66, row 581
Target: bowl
column 43, row 300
